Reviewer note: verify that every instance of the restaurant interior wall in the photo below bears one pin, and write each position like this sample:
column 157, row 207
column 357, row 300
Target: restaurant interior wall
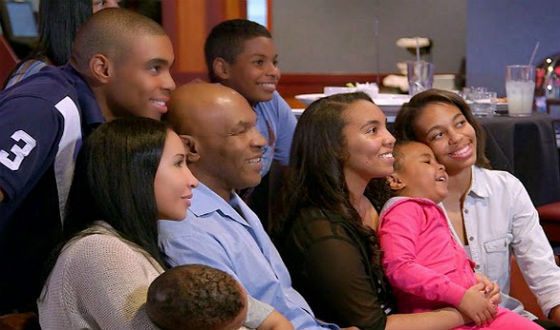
column 502, row 32
column 327, row 36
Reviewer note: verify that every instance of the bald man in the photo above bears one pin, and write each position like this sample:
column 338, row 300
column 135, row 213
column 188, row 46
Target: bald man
column 224, row 151
column 119, row 67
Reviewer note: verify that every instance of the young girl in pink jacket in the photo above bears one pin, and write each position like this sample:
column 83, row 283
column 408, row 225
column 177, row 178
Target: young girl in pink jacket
column 425, row 265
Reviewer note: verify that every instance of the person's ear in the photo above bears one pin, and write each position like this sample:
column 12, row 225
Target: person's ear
column 100, row 68
column 395, row 182
column 191, row 148
column 221, row 68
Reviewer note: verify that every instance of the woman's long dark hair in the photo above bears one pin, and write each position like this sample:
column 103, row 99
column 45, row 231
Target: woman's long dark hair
column 406, row 119
column 315, row 174
column 59, row 21
column 114, row 182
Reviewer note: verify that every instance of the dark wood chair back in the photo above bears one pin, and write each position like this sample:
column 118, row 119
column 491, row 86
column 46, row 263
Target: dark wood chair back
column 8, row 59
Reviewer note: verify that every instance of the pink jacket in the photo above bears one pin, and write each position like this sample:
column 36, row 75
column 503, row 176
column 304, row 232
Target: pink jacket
column 427, row 268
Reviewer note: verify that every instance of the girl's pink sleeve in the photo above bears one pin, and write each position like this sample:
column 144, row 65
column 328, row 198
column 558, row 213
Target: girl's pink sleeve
column 399, row 234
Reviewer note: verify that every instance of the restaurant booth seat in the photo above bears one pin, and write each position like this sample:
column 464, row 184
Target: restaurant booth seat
column 19, row 321
column 520, row 291
column 8, row 60
column 549, row 215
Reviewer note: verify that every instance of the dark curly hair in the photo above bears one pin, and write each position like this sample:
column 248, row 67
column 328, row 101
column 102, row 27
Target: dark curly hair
column 194, row 297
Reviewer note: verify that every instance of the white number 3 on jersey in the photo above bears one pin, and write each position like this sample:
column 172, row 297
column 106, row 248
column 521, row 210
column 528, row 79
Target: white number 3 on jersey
column 13, row 160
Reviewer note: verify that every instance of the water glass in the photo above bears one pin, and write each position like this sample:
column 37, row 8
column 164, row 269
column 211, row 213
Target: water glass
column 420, row 76
column 483, row 102
column 520, row 88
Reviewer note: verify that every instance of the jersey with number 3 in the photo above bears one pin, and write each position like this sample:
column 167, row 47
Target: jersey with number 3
column 40, row 134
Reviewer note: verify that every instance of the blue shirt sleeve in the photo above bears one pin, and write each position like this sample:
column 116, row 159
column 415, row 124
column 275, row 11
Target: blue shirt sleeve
column 29, row 133
column 196, row 248
column 286, row 127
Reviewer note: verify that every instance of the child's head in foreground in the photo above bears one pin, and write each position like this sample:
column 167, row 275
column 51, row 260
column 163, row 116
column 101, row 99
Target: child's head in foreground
column 196, row 297
column 417, row 173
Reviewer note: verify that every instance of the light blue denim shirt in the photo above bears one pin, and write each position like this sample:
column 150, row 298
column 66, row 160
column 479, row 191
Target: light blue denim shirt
column 277, row 123
column 214, row 234
column 500, row 219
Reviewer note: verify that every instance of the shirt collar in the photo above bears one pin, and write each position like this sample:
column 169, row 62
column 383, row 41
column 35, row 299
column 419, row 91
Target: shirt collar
column 206, row 201
column 479, row 187
column 90, row 111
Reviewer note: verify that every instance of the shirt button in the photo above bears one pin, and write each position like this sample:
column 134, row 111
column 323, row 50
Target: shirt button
column 466, row 211
column 471, row 238
column 477, row 266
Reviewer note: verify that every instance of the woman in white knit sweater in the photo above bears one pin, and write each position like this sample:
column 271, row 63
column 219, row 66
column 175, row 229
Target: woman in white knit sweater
column 129, row 173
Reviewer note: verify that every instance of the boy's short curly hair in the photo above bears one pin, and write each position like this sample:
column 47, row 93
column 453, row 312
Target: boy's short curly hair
column 194, row 297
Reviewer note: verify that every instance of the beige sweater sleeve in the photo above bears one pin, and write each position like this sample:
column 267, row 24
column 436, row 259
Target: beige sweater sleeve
column 99, row 281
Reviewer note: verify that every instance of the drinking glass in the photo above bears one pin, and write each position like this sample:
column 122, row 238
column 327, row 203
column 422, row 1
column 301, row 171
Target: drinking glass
column 520, row 88
column 483, row 102
column 420, row 76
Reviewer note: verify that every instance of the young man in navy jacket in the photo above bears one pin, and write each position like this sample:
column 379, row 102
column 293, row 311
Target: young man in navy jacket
column 119, row 67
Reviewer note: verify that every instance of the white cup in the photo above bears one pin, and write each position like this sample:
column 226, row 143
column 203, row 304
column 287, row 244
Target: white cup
column 520, row 88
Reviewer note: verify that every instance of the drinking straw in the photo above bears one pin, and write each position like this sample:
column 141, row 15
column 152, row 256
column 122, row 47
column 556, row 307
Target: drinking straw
column 534, row 52
column 376, row 35
column 417, row 50
column 417, row 68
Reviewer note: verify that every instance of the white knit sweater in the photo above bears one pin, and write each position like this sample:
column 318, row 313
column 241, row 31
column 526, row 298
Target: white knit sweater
column 100, row 281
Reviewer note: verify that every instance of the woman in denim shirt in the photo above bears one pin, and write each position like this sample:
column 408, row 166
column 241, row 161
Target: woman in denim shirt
column 489, row 211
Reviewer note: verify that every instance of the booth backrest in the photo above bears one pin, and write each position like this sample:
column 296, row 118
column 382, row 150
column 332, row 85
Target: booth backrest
column 8, row 59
